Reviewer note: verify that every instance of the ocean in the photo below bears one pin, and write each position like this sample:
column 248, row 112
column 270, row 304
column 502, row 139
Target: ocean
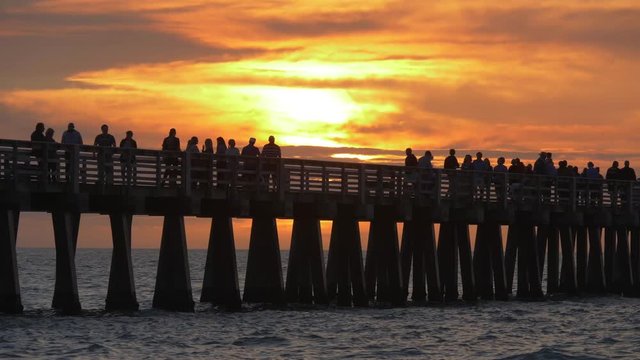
column 606, row 327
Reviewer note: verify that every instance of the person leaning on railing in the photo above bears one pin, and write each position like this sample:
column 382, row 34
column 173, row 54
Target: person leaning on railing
column 70, row 137
column 52, row 156
column 105, row 143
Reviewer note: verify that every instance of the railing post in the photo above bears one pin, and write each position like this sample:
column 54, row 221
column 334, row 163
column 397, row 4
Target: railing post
column 44, row 165
column 343, row 181
column 158, row 171
column 438, row 187
column 630, row 197
column 283, row 180
column 259, row 175
column 574, row 195
column 14, row 165
column 186, row 173
column 362, row 183
column 75, row 166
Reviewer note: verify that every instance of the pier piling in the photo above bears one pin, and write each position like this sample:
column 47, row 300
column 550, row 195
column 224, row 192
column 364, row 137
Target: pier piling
column 10, row 300
column 121, row 294
column 220, row 284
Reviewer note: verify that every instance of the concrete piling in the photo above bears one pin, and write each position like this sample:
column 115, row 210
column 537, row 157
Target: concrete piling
column 10, row 299
column 220, row 284
column 345, row 274
column 553, row 260
column 65, row 230
column 582, row 253
column 568, row 278
column 595, row 269
column 121, row 294
column 173, row 281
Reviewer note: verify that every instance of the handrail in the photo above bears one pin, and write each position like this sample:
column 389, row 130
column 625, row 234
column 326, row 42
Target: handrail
column 46, row 164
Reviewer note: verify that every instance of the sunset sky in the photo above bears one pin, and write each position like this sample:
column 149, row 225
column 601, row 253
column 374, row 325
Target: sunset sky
column 330, row 79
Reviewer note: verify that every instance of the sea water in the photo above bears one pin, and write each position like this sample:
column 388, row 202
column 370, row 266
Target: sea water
column 571, row 328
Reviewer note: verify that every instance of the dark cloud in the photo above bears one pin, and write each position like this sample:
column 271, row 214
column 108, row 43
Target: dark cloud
column 615, row 30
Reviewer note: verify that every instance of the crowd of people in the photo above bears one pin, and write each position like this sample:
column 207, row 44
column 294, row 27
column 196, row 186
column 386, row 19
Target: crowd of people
column 106, row 144
column 484, row 173
column 544, row 165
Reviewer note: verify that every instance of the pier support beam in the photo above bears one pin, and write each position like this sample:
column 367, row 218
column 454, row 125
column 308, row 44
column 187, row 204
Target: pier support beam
column 419, row 255
column 173, row 282
column 510, row 254
column 529, row 284
column 609, row 258
column 65, row 230
column 263, row 282
column 10, row 301
column 622, row 275
column 595, row 271
column 455, row 247
column 582, row 254
column 121, row 295
column 306, row 282
column 568, row 279
column 220, row 285
column 488, row 261
column 345, row 275
column 382, row 267
column 553, row 259
column 635, row 260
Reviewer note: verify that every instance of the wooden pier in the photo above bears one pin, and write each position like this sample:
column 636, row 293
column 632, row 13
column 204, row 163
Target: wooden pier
column 592, row 226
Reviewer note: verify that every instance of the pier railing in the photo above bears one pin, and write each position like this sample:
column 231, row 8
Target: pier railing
column 52, row 167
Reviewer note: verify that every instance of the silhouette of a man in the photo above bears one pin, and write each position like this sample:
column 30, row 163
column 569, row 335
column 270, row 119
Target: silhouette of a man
column 171, row 144
column 106, row 142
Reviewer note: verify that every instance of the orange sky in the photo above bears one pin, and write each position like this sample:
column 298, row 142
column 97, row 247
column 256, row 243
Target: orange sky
column 376, row 76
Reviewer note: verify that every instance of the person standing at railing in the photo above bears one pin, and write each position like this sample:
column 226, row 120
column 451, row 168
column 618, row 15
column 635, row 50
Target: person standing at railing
column 450, row 166
column 426, row 171
column 106, row 144
column 196, row 162
column 564, row 173
column 37, row 136
column 70, row 137
column 516, row 173
column 52, row 155
column 232, row 153
column 627, row 174
column 479, row 166
column 410, row 161
column 128, row 159
column 221, row 163
column 499, row 178
column 250, row 165
column 612, row 176
column 171, row 144
column 271, row 151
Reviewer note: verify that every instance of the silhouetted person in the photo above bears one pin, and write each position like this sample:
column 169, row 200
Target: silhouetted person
column 564, row 181
column 612, row 176
column 271, row 151
column 70, row 137
column 478, row 166
column 37, row 136
column 171, row 144
column 128, row 159
column 232, row 150
column 196, row 161
column 540, row 166
column 410, row 160
column 627, row 174
column 106, row 142
column 52, row 156
column 499, row 178
column 221, row 162
column 426, row 175
column 250, row 163
column 207, row 148
column 451, row 162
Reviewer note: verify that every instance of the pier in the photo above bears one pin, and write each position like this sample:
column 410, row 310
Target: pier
column 586, row 235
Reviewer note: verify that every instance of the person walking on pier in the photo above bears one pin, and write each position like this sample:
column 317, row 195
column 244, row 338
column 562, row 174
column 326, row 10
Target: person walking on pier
column 128, row 159
column 171, row 144
column 250, row 165
column 105, row 143
column 52, row 156
column 271, row 151
column 70, row 137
